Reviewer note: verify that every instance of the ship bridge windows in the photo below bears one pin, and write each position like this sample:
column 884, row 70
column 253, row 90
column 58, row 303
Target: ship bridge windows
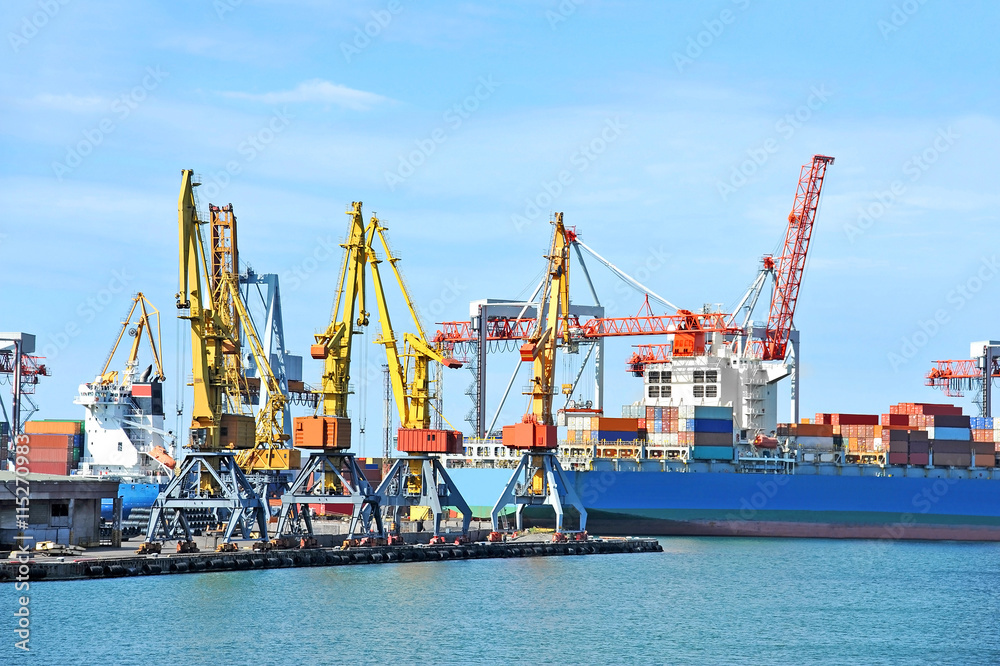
column 653, row 391
column 706, row 384
column 658, row 377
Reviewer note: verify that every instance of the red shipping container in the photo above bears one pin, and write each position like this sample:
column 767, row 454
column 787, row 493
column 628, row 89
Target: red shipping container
column 62, row 469
column 898, row 459
column 895, row 420
column 937, row 408
column 922, row 459
column 855, row 419
column 531, row 435
column 50, row 455
column 419, row 440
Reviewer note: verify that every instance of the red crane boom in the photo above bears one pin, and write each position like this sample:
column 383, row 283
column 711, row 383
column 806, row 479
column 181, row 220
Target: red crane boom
column 793, row 259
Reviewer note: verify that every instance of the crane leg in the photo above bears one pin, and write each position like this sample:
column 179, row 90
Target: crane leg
column 507, row 496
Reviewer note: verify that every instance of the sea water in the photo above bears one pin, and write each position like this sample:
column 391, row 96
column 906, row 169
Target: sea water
column 701, row 601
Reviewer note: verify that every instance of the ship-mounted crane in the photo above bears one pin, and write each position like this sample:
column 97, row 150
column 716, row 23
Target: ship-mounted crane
column 539, row 479
column 209, row 476
column 775, row 343
column 332, row 475
column 416, row 479
column 978, row 374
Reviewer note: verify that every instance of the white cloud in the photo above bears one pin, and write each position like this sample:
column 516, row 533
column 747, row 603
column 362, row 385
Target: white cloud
column 67, row 102
column 317, row 90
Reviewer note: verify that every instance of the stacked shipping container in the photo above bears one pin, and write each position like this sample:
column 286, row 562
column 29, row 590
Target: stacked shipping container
column 54, row 446
column 712, row 430
column 909, row 434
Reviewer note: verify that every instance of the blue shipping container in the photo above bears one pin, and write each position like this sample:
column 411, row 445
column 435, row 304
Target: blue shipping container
column 725, row 413
column 615, row 435
column 712, row 425
column 712, row 453
column 962, row 434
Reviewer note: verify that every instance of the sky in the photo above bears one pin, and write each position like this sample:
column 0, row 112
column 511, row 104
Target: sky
column 669, row 134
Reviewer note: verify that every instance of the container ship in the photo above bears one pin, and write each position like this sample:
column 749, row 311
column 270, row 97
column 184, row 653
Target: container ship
column 837, row 476
column 702, row 454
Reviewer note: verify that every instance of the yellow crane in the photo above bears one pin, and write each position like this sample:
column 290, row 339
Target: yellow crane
column 208, row 298
column 418, row 479
column 539, row 478
column 332, row 475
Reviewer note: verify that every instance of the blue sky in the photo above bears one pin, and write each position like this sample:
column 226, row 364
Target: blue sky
column 453, row 120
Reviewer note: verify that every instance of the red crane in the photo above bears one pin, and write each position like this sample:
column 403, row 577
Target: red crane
column 792, row 262
column 954, row 377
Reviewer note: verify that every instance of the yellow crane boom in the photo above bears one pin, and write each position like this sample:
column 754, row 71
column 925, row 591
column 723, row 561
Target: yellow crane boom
column 211, row 338
column 331, row 428
column 409, row 372
column 537, row 429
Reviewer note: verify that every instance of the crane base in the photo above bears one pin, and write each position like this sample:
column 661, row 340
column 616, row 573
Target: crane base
column 331, row 477
column 422, row 481
column 539, row 480
column 208, row 481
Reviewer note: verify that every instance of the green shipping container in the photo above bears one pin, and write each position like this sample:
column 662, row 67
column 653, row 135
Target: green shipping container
column 712, row 453
column 701, row 412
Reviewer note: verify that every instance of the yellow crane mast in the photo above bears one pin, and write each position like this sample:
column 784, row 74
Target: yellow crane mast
column 418, row 479
column 539, row 478
column 208, row 298
column 332, row 475
column 540, row 349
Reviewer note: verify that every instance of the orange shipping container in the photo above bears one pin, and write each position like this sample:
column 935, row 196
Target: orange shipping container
column 53, row 427
column 615, row 424
column 60, row 442
column 814, row 430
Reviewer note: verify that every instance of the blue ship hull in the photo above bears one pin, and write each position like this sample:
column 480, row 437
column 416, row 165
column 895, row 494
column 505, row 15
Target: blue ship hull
column 757, row 504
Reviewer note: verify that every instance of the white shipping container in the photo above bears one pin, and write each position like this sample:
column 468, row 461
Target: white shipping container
column 671, row 438
column 815, row 443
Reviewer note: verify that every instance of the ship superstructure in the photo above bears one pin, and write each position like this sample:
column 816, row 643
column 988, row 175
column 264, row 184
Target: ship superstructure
column 124, row 423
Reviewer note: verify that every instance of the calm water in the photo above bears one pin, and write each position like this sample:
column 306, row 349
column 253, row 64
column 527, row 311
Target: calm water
column 716, row 601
